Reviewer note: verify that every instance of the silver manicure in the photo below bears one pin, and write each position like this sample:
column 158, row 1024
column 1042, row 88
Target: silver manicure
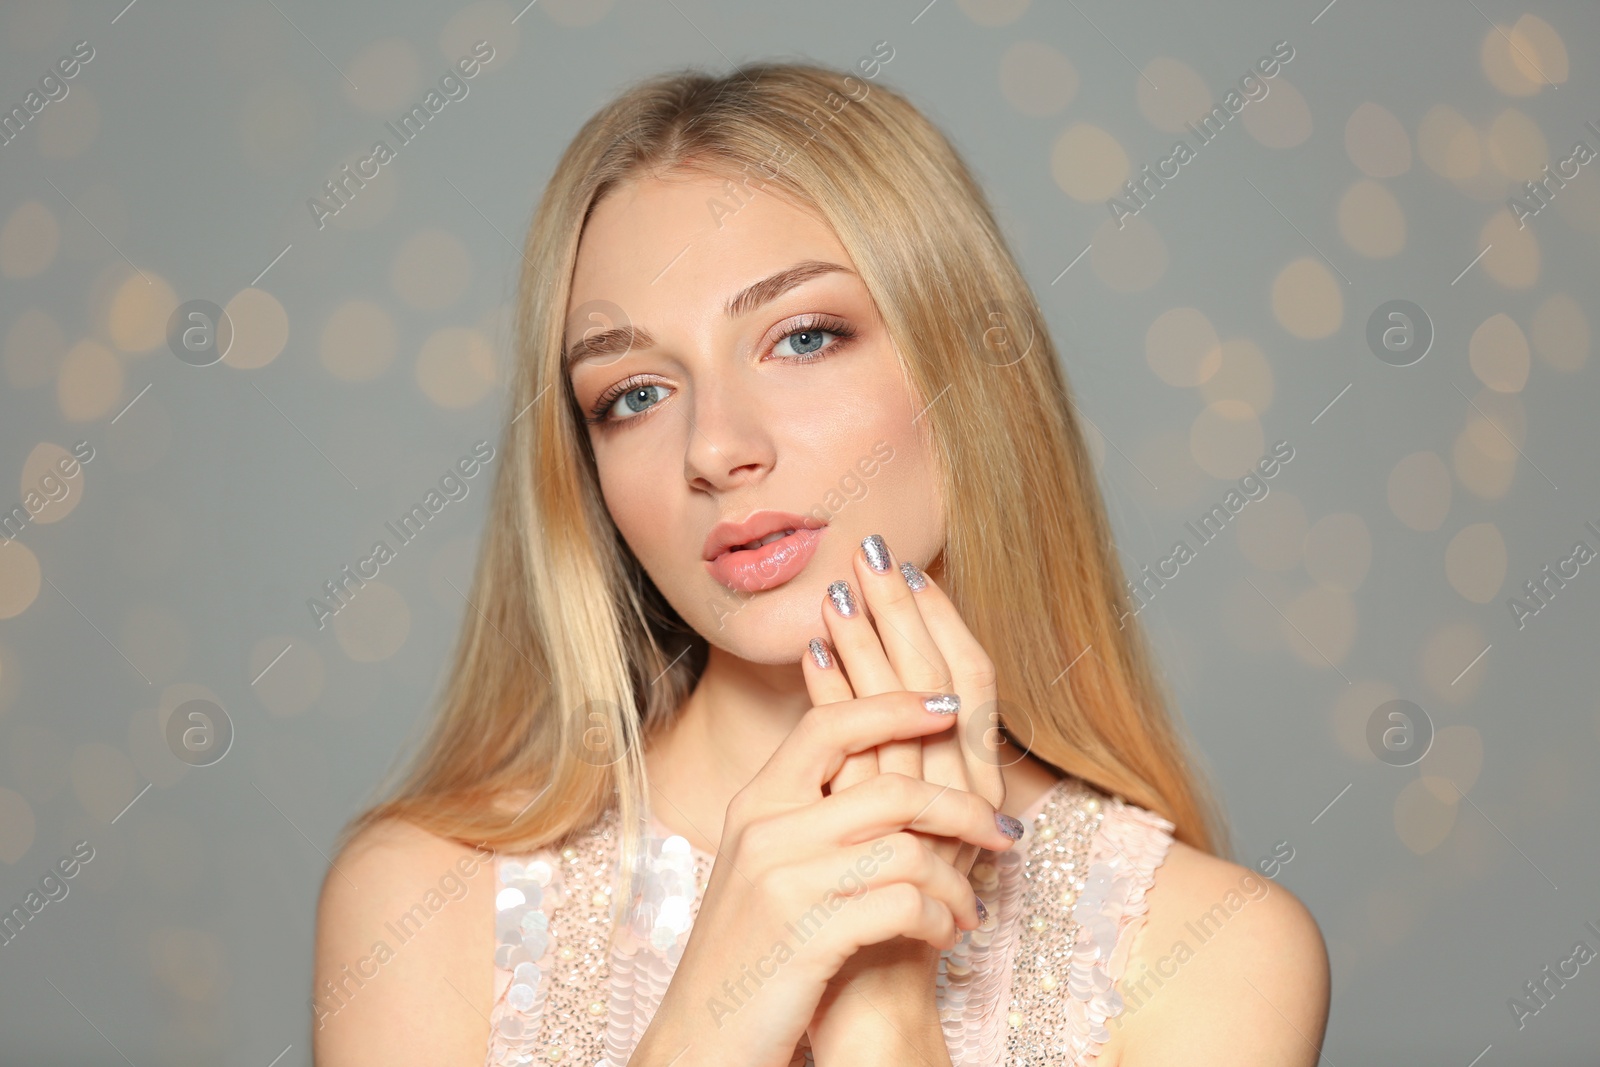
column 912, row 575
column 839, row 593
column 819, row 653
column 876, row 551
column 943, row 704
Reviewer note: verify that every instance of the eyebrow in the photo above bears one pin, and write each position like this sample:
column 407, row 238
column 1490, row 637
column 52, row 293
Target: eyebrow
column 621, row 339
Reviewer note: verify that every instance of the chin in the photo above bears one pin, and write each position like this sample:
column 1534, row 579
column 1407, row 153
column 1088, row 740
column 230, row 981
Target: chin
column 769, row 649
column 771, row 629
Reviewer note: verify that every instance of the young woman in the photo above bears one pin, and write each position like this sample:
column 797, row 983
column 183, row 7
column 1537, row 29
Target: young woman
column 799, row 715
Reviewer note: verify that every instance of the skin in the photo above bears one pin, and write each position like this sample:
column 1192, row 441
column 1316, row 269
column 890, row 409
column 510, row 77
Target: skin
column 732, row 428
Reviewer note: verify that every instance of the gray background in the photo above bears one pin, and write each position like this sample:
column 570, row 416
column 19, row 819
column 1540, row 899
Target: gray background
column 224, row 496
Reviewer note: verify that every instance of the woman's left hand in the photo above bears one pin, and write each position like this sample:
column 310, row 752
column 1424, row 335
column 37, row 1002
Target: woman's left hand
column 916, row 640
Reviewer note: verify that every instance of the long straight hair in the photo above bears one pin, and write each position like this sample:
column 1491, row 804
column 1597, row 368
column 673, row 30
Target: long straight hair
column 570, row 660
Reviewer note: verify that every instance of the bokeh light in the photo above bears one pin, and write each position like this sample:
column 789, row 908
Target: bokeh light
column 29, row 240
column 1171, row 94
column 1475, row 562
column 1181, row 346
column 1089, row 164
column 1419, row 491
column 1377, row 142
column 1306, row 299
column 1037, row 79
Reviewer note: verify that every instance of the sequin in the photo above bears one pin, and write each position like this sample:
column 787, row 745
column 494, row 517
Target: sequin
column 1035, row 985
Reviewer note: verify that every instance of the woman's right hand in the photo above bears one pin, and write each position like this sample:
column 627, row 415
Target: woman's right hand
column 800, row 885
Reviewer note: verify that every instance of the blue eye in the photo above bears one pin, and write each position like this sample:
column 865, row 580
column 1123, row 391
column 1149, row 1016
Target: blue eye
column 632, row 397
column 810, row 340
column 810, row 334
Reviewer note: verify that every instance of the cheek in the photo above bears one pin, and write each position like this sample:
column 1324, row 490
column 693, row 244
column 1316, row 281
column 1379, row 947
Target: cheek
column 910, row 485
column 844, row 424
column 908, row 481
column 627, row 498
column 899, row 493
column 637, row 489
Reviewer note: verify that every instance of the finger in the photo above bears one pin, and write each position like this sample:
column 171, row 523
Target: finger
column 906, row 639
column 892, row 802
column 974, row 745
column 826, row 684
column 853, row 870
column 816, row 748
column 865, row 665
column 906, row 642
column 898, row 910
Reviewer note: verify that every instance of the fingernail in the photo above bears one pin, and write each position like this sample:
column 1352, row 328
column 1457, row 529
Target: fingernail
column 942, row 703
column 876, row 551
column 819, row 653
column 843, row 600
column 1012, row 828
column 912, row 575
column 983, row 912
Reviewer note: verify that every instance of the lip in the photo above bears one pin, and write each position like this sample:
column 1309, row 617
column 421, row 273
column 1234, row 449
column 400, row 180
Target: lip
column 724, row 535
column 756, row 569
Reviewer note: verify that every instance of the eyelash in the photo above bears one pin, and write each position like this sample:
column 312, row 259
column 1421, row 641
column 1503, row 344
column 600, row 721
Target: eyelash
column 843, row 332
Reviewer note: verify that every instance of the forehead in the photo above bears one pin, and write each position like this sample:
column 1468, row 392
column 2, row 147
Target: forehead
column 653, row 244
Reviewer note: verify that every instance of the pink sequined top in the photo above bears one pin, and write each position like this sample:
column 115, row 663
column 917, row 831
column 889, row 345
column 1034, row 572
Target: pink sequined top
column 1034, row 985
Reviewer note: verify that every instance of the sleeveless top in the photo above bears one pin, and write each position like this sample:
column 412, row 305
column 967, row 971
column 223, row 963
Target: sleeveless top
column 1034, row 985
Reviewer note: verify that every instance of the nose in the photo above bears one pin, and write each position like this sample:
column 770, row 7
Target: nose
column 729, row 442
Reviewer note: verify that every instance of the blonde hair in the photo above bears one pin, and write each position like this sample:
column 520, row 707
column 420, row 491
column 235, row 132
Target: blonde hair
column 570, row 660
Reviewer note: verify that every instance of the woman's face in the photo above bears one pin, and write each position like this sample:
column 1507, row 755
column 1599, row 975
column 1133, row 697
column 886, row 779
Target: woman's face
column 788, row 399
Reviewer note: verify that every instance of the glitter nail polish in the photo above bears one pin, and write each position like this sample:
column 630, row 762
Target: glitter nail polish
column 942, row 703
column 843, row 599
column 819, row 653
column 877, row 553
column 912, row 575
column 983, row 912
column 1012, row 828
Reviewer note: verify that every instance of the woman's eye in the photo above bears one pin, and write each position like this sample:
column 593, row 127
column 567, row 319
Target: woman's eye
column 806, row 341
column 634, row 401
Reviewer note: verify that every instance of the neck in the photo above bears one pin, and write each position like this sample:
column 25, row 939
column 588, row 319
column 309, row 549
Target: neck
column 724, row 733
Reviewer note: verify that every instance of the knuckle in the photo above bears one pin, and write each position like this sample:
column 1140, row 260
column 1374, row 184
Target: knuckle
column 830, row 723
column 741, row 807
column 759, row 837
column 948, row 928
column 814, row 724
column 877, row 787
column 903, row 846
column 772, row 884
column 978, row 667
column 901, row 900
column 901, row 788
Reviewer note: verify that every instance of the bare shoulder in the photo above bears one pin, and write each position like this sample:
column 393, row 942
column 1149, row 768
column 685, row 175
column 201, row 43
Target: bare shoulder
column 404, row 969
column 1229, row 968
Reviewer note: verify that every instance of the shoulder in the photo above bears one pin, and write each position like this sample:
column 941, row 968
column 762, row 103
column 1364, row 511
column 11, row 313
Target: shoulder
column 1229, row 968
column 404, row 950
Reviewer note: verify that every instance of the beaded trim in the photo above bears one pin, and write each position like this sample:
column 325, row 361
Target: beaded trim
column 1063, row 907
column 1089, row 865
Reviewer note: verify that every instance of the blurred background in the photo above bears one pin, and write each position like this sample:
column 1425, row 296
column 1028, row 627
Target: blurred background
column 1386, row 653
